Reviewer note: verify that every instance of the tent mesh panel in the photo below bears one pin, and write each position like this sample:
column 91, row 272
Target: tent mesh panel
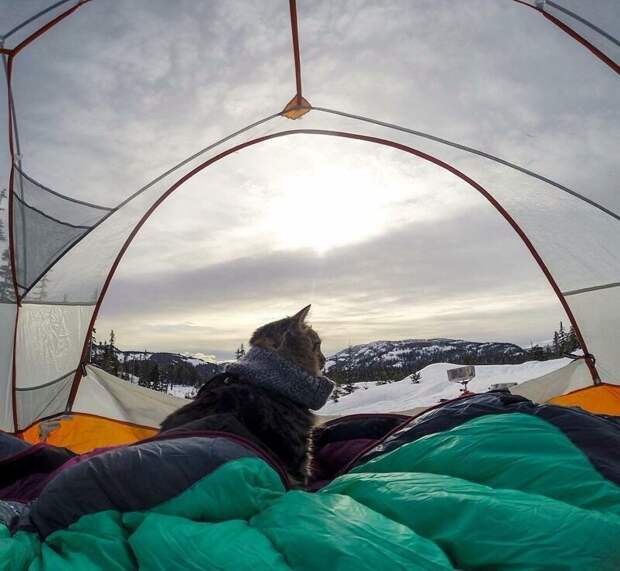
column 45, row 224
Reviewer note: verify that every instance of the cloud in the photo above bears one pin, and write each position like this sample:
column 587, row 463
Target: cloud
column 420, row 280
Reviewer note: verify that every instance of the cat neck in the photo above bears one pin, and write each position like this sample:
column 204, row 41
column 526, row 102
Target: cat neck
column 265, row 368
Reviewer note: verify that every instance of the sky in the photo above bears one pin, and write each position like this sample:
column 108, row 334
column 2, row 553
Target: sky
column 384, row 245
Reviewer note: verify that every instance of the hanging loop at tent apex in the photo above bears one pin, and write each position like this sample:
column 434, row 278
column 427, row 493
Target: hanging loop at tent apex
column 296, row 108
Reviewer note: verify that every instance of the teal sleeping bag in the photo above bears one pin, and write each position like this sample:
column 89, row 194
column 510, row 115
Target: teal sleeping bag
column 487, row 482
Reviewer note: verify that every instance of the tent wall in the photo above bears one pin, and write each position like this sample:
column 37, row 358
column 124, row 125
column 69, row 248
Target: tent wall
column 82, row 433
column 8, row 307
column 103, row 394
column 107, row 411
column 600, row 399
column 7, row 328
column 48, row 350
column 49, row 342
column 67, row 249
column 597, row 312
column 573, row 376
column 41, row 402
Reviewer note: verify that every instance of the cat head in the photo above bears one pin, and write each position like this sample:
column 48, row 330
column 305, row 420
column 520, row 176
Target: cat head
column 293, row 340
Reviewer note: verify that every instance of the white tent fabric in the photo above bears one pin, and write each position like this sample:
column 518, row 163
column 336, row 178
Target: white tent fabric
column 7, row 326
column 569, row 378
column 61, row 242
column 103, row 394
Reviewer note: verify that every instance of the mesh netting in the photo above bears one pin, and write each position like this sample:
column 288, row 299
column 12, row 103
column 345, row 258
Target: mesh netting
column 46, row 224
column 40, row 402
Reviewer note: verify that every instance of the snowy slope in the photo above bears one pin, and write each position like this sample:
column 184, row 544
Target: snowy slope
column 433, row 386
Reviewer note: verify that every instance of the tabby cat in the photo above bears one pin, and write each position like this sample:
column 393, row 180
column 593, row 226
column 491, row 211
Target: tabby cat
column 266, row 396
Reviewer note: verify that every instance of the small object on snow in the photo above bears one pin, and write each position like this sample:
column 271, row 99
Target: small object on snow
column 462, row 375
column 502, row 386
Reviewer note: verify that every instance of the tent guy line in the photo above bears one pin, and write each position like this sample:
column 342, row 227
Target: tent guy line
column 475, row 152
column 593, row 288
column 584, row 22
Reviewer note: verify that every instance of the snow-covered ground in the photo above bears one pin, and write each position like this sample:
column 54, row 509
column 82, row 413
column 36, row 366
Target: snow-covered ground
column 196, row 359
column 182, row 391
column 433, row 386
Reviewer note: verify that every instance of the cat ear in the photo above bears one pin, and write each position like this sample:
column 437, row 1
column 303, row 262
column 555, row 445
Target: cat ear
column 300, row 316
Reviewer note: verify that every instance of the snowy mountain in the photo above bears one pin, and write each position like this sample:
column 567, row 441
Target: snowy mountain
column 204, row 369
column 395, row 359
column 432, row 387
column 182, row 373
column 177, row 368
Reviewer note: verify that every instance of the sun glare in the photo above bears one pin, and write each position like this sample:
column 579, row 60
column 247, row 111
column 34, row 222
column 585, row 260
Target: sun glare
column 328, row 210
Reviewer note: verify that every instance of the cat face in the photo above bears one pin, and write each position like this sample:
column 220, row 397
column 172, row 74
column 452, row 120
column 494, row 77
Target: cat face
column 293, row 340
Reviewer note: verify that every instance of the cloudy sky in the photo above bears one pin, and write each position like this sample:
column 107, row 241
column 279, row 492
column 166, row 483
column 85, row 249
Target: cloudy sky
column 384, row 245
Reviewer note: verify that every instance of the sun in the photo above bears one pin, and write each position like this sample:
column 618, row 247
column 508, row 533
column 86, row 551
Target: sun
column 328, row 210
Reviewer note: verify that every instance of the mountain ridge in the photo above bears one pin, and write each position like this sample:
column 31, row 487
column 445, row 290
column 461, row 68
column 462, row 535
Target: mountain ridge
column 380, row 360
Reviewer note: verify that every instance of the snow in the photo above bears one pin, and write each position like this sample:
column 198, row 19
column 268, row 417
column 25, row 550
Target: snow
column 433, row 386
column 136, row 355
column 182, row 391
column 196, row 359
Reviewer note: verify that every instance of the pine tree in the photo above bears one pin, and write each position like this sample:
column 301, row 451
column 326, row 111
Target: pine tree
column 124, row 374
column 349, row 372
column 415, row 377
column 240, row 352
column 537, row 353
column 336, row 393
column 572, row 343
column 562, row 339
column 154, row 378
column 557, row 349
column 143, row 380
column 109, row 360
column 92, row 341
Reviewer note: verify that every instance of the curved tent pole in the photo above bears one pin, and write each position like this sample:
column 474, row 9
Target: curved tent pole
column 293, row 9
column 40, row 31
column 524, row 238
column 8, row 69
column 33, row 18
column 579, row 38
column 473, row 151
column 112, row 210
column 575, row 35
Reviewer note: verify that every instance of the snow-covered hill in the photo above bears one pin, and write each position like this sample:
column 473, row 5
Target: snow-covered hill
column 408, row 355
column 433, row 386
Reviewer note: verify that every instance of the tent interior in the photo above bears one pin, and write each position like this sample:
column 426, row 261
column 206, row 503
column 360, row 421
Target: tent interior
column 442, row 139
